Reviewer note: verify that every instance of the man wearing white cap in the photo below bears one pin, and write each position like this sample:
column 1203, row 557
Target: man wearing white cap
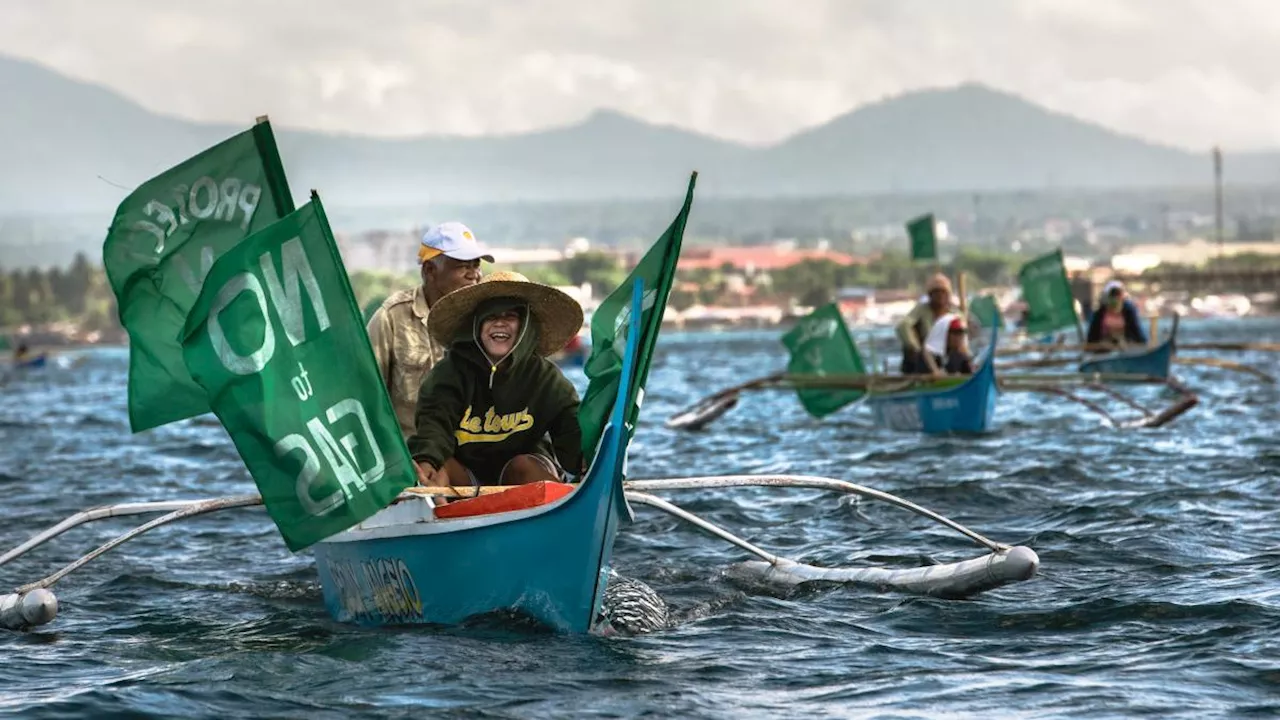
column 449, row 258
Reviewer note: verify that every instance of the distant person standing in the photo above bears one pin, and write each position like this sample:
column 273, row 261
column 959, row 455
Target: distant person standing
column 1116, row 320
column 914, row 328
column 449, row 258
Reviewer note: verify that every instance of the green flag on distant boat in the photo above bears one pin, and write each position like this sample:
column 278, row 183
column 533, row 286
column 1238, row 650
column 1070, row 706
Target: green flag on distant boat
column 609, row 325
column 1050, row 305
column 820, row 345
column 924, row 239
column 984, row 308
column 163, row 240
column 278, row 344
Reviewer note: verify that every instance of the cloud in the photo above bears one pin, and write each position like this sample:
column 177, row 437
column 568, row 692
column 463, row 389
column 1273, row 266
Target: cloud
column 1182, row 72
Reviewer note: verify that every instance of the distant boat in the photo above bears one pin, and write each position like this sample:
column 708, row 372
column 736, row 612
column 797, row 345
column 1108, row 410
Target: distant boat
column 952, row 405
column 1151, row 362
column 37, row 361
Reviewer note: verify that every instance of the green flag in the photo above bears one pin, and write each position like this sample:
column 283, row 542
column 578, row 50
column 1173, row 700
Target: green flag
column 924, row 239
column 277, row 343
column 656, row 270
column 984, row 308
column 820, row 345
column 1050, row 305
column 163, row 240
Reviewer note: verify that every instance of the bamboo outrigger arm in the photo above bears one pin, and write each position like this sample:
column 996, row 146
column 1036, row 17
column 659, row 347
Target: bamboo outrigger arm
column 806, row 481
column 1002, row 566
column 34, row 604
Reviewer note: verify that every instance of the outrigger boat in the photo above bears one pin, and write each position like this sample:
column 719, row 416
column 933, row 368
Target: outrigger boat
column 31, row 363
column 551, row 562
column 964, row 404
column 1156, row 361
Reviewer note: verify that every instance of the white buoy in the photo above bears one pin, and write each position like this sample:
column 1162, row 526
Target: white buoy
column 19, row 611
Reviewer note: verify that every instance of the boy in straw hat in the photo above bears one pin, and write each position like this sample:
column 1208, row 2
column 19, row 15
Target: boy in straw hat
column 484, row 408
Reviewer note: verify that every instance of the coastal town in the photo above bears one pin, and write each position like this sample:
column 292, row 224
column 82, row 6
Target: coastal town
column 726, row 285
column 723, row 286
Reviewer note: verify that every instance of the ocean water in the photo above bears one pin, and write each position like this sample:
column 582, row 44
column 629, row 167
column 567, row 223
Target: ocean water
column 1158, row 595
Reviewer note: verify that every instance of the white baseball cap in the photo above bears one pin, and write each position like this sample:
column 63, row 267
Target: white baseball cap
column 452, row 239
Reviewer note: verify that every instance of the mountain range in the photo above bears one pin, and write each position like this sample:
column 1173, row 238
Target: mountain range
column 70, row 146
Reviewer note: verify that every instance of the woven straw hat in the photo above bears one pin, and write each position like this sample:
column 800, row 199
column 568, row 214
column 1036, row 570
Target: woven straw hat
column 558, row 316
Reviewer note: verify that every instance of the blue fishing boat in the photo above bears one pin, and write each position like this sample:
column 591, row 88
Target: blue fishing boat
column 551, row 562
column 1151, row 362
column 38, row 361
column 953, row 405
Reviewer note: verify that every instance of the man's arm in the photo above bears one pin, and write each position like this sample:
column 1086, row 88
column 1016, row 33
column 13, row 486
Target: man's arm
column 906, row 329
column 380, row 337
column 1095, row 326
column 441, row 403
column 1133, row 323
column 566, row 433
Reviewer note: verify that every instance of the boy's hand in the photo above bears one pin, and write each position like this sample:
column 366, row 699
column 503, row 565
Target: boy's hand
column 426, row 474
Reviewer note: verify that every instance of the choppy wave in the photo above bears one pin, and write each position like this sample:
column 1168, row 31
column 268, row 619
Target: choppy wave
column 1159, row 593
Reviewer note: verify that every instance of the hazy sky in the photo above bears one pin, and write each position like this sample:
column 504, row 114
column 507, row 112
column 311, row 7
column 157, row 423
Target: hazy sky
column 1183, row 72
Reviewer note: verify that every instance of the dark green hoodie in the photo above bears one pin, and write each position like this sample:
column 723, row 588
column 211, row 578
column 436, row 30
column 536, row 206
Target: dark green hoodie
column 485, row 416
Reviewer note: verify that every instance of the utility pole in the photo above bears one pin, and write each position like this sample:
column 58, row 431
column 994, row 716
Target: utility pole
column 1217, row 196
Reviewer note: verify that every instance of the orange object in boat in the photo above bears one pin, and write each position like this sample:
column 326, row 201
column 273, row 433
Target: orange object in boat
column 519, row 497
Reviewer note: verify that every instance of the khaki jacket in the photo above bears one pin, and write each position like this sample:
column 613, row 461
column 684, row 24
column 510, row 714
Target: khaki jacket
column 405, row 352
column 914, row 328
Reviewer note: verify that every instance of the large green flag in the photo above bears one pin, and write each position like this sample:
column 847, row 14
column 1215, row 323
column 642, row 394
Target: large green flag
column 164, row 239
column 924, row 239
column 1050, row 305
column 609, row 325
column 820, row 345
column 278, row 344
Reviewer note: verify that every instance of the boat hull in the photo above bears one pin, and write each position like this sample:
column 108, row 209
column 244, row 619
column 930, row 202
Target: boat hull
column 38, row 361
column 1151, row 362
column 967, row 408
column 549, row 564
